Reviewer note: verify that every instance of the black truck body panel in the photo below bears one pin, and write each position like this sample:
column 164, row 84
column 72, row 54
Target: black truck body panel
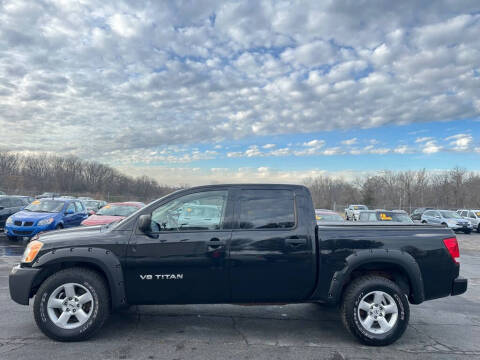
column 298, row 263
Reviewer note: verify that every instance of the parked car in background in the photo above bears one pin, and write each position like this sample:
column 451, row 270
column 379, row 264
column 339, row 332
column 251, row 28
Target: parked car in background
column 93, row 205
column 353, row 211
column 46, row 195
column 113, row 212
column 9, row 205
column 448, row 218
column 471, row 215
column 385, row 215
column 323, row 216
column 44, row 215
column 417, row 213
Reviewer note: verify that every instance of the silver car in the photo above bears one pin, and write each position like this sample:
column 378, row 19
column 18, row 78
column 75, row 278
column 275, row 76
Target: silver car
column 471, row 215
column 448, row 218
column 353, row 211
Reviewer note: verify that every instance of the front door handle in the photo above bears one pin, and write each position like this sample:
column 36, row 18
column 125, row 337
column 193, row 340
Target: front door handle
column 295, row 241
column 215, row 243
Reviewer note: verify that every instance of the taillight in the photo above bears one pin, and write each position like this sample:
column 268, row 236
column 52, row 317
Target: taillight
column 452, row 246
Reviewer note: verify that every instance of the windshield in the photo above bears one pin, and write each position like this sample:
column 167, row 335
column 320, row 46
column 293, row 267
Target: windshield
column 90, row 204
column 50, row 206
column 117, row 210
column 360, row 207
column 328, row 217
column 450, row 215
column 392, row 216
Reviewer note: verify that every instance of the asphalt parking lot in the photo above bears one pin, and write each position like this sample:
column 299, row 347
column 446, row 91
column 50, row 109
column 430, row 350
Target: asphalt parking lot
column 446, row 328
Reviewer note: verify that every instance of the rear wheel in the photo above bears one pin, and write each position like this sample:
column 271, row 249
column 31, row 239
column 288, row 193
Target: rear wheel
column 72, row 304
column 375, row 310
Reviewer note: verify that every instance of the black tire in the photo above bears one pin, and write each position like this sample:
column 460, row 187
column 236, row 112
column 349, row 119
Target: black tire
column 101, row 300
column 478, row 228
column 59, row 227
column 354, row 293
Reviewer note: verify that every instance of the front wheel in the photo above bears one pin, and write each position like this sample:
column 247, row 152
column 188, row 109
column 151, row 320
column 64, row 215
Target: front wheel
column 72, row 304
column 375, row 310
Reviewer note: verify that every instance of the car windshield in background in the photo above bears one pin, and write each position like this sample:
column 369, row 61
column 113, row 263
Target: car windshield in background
column 117, row 210
column 90, row 204
column 328, row 217
column 450, row 215
column 49, row 206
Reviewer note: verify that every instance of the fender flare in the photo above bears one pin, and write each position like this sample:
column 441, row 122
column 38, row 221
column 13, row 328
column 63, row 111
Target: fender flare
column 105, row 259
column 399, row 258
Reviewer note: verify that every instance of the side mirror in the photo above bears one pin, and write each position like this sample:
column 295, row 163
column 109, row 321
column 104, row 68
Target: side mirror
column 145, row 223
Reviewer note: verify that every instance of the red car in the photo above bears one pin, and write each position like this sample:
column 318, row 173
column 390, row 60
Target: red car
column 113, row 212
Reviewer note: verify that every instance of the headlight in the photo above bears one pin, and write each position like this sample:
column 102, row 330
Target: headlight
column 31, row 251
column 45, row 222
column 9, row 221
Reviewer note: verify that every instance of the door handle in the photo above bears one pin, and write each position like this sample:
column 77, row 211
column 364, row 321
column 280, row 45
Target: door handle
column 295, row 241
column 215, row 243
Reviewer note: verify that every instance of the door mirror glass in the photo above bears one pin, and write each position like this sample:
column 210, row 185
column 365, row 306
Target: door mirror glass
column 145, row 223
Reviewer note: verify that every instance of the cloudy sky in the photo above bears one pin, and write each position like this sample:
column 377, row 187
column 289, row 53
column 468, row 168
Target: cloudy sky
column 213, row 91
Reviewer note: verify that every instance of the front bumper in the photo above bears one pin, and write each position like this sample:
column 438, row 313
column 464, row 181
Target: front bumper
column 460, row 227
column 20, row 283
column 459, row 286
column 27, row 231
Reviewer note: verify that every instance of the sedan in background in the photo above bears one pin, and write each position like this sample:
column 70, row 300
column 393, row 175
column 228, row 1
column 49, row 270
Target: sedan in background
column 10, row 205
column 113, row 212
column 447, row 218
column 93, row 206
column 44, row 215
column 327, row 216
column 385, row 215
column 417, row 213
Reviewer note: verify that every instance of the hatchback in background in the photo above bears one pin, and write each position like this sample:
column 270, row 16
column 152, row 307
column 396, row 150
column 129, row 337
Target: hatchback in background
column 113, row 212
column 447, row 218
column 10, row 205
column 44, row 215
column 385, row 215
column 471, row 215
column 323, row 216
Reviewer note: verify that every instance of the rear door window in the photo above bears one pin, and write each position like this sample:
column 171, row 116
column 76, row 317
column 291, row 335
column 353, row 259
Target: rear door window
column 266, row 209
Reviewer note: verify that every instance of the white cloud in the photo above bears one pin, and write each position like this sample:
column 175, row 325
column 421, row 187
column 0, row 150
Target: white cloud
column 268, row 146
column 129, row 78
column 351, row 141
column 460, row 142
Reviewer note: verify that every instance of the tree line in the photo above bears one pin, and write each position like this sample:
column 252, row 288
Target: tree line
column 35, row 174
column 407, row 190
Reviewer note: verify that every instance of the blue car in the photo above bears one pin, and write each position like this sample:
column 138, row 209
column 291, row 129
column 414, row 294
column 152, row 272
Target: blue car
column 44, row 215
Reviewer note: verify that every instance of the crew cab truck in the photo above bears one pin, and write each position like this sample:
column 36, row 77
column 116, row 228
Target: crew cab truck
column 238, row 244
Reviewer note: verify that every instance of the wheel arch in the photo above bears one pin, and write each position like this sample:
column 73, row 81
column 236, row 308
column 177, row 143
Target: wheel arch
column 396, row 265
column 100, row 260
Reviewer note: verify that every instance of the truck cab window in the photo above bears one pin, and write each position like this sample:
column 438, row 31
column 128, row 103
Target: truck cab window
column 267, row 209
column 199, row 211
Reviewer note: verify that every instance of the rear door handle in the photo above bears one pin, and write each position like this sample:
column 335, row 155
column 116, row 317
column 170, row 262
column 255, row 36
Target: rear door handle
column 215, row 243
column 295, row 241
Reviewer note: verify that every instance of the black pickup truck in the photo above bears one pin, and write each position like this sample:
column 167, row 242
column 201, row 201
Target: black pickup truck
column 236, row 244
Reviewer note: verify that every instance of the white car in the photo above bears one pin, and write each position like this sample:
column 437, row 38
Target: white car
column 352, row 212
column 471, row 215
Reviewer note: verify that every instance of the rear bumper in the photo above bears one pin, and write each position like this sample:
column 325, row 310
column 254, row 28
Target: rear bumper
column 20, row 283
column 459, row 286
